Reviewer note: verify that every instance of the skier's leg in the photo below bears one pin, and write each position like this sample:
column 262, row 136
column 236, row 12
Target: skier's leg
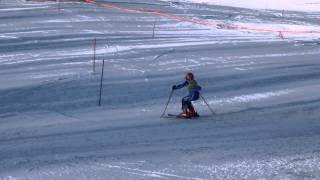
column 185, row 105
column 191, row 108
column 191, row 111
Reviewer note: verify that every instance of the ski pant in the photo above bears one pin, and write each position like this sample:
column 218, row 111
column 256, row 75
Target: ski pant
column 187, row 101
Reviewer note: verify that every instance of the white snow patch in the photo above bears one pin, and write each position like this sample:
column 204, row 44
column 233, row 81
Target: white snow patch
column 24, row 8
column 250, row 97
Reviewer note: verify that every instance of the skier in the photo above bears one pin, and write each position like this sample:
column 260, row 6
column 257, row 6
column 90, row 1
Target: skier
column 194, row 94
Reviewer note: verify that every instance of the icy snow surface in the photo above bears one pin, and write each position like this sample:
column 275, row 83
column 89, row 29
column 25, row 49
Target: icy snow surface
column 264, row 89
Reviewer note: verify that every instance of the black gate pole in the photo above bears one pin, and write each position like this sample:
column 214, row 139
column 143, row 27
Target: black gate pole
column 101, row 82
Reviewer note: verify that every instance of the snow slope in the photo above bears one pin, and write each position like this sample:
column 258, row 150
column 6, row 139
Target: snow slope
column 264, row 90
column 291, row 5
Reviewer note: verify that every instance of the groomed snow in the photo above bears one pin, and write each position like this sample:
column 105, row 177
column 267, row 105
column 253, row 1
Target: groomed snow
column 292, row 5
column 264, row 91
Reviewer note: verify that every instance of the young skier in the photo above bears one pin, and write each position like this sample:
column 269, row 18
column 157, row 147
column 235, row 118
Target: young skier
column 194, row 94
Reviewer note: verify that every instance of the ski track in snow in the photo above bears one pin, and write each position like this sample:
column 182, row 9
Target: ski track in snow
column 263, row 89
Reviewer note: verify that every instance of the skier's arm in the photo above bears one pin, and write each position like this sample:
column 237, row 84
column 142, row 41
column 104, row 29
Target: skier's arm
column 179, row 86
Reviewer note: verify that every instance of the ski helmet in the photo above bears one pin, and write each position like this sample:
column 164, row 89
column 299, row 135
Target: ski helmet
column 189, row 75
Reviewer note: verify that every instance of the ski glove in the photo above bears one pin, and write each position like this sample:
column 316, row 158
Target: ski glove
column 174, row 87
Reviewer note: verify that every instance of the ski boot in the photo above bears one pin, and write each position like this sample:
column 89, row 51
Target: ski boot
column 192, row 113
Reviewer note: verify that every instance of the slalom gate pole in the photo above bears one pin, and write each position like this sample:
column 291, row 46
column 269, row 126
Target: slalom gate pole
column 154, row 28
column 94, row 55
column 59, row 5
column 165, row 109
column 204, row 100
column 101, row 81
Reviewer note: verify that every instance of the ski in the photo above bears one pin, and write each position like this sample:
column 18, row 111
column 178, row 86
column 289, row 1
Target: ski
column 176, row 116
column 180, row 117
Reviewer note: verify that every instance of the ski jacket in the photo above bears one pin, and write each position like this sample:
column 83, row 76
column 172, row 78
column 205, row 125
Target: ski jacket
column 193, row 88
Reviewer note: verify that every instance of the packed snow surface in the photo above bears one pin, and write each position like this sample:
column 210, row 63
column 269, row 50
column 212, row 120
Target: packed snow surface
column 263, row 88
column 291, row 5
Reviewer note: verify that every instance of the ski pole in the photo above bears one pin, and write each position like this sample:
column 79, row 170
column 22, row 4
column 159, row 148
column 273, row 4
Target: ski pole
column 204, row 100
column 165, row 109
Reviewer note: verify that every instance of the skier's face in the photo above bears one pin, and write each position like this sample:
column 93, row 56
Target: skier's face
column 188, row 78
